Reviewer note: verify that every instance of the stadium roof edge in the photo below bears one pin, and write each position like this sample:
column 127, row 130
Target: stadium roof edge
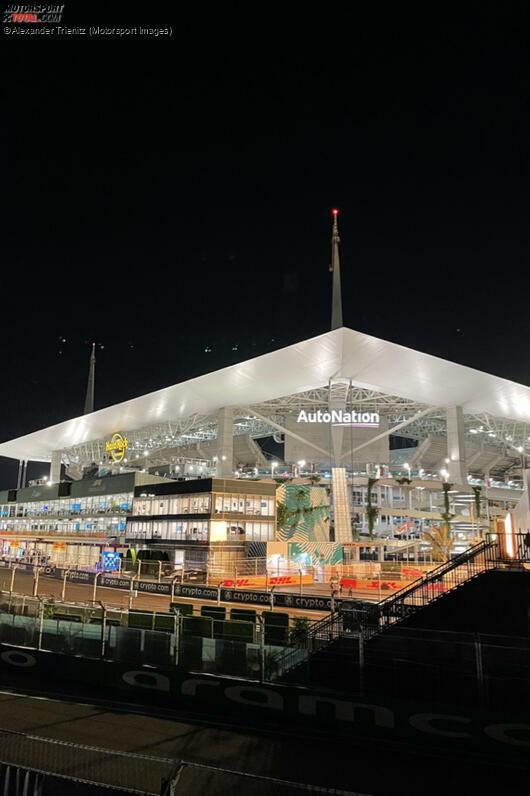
column 366, row 361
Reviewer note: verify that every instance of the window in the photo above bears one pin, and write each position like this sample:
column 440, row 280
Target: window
column 266, row 508
column 259, row 531
column 142, row 507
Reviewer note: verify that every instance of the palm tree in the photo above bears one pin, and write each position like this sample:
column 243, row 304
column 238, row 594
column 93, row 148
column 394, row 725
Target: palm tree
column 440, row 541
column 371, row 510
column 282, row 515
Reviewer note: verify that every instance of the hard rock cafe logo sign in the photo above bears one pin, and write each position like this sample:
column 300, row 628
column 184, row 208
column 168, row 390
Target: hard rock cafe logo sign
column 116, row 447
column 339, row 418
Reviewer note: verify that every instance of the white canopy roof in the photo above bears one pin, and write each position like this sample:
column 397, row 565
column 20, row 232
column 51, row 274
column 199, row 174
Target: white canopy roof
column 369, row 362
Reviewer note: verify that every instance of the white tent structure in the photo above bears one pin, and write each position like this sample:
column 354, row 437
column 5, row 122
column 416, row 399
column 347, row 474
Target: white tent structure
column 418, row 396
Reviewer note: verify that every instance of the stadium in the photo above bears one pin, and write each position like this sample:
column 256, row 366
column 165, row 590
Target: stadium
column 458, row 425
column 381, row 440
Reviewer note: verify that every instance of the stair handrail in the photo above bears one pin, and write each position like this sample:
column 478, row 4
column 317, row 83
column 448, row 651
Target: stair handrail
column 321, row 624
column 317, row 627
column 378, row 610
column 437, row 572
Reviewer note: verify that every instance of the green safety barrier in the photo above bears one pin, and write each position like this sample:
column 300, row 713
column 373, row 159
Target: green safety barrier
column 151, row 620
column 276, row 628
column 243, row 614
column 198, row 626
column 141, row 619
column 235, row 630
column 214, row 611
column 165, row 622
column 97, row 620
column 184, row 609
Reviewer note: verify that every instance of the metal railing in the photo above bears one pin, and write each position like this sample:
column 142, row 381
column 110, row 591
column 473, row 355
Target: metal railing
column 487, row 554
column 31, row 765
column 424, row 590
column 80, row 764
column 320, row 635
column 372, row 618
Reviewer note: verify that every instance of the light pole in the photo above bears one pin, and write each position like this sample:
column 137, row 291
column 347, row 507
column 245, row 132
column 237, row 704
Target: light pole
column 131, row 593
column 35, row 581
column 95, row 586
column 103, row 627
column 63, row 590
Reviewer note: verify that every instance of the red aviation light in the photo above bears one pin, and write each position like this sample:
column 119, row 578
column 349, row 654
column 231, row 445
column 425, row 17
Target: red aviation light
column 335, row 212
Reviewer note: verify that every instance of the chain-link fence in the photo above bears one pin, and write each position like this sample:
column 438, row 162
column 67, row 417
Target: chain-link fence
column 453, row 668
column 215, row 781
column 76, row 763
column 31, row 765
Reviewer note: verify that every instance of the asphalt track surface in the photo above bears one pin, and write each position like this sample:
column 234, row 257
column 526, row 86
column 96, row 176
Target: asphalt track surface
column 292, row 753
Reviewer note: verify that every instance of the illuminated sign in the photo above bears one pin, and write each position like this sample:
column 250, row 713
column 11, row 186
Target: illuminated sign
column 117, row 447
column 111, row 560
column 218, row 531
column 338, row 417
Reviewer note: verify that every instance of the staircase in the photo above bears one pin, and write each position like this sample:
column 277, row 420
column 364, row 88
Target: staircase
column 435, row 585
column 341, row 505
column 371, row 619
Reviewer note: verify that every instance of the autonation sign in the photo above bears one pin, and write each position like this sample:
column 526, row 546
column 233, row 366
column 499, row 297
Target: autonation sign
column 340, row 418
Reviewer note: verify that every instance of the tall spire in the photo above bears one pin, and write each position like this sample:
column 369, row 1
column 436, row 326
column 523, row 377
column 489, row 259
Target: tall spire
column 89, row 401
column 336, row 300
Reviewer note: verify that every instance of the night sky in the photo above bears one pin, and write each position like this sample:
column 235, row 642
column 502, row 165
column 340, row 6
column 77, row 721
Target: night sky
column 166, row 196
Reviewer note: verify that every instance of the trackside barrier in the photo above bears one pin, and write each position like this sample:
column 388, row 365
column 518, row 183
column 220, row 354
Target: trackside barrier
column 304, row 602
column 198, row 643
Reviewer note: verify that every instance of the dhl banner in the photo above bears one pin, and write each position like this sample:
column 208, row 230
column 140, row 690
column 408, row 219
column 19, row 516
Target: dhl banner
column 358, row 583
column 411, row 572
column 260, row 581
column 394, row 585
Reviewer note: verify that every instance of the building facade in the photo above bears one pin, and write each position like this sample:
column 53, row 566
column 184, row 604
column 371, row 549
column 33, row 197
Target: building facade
column 69, row 522
column 203, row 524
